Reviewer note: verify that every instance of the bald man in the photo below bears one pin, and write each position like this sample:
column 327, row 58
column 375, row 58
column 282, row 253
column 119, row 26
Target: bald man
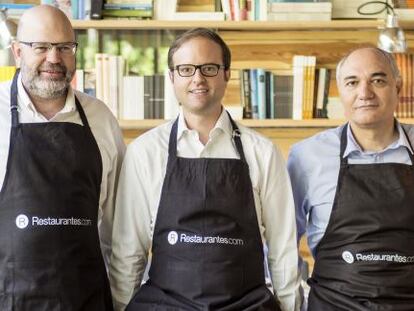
column 60, row 154
column 354, row 194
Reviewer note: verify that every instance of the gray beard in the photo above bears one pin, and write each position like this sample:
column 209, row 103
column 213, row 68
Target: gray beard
column 45, row 88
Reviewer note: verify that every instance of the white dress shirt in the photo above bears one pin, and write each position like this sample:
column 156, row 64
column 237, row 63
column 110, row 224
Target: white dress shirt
column 104, row 128
column 313, row 166
column 139, row 191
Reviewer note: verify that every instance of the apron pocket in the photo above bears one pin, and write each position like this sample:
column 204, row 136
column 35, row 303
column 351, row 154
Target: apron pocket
column 36, row 286
column 223, row 278
column 91, row 291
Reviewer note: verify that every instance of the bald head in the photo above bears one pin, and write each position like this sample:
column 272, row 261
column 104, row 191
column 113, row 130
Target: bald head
column 45, row 23
column 46, row 70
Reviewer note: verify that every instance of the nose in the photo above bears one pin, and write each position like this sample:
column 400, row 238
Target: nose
column 198, row 76
column 53, row 55
column 365, row 90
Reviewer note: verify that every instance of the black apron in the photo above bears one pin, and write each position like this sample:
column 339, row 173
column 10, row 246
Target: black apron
column 207, row 253
column 50, row 258
column 365, row 261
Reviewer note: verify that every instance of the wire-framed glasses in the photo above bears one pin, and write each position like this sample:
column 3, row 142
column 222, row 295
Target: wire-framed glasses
column 65, row 48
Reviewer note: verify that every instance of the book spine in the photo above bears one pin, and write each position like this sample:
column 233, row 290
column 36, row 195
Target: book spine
column 96, row 9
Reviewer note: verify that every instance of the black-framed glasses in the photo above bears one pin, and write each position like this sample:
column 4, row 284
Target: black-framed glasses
column 189, row 70
column 65, row 48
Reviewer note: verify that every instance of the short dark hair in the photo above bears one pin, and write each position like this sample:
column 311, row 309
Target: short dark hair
column 197, row 33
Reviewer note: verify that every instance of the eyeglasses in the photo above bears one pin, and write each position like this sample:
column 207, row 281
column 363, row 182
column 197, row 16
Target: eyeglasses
column 65, row 48
column 207, row 70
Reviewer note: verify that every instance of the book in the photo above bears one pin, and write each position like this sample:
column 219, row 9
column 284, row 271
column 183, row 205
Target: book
column 322, row 93
column 245, row 94
column 300, row 7
column 199, row 16
column 261, row 93
column 148, row 94
column 142, row 13
column 269, row 95
column 7, row 73
column 96, row 9
column 298, row 86
column 132, row 107
column 283, row 96
column 225, row 4
column 171, row 105
column 253, row 94
column 164, row 9
column 298, row 16
column 77, row 82
column 157, row 100
column 99, row 76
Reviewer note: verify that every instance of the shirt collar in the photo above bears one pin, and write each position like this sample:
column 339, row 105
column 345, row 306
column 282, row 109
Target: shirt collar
column 223, row 124
column 353, row 146
column 25, row 102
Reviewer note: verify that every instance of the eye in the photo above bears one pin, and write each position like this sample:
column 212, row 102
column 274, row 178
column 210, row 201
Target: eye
column 379, row 82
column 209, row 68
column 40, row 48
column 185, row 69
column 351, row 83
column 65, row 48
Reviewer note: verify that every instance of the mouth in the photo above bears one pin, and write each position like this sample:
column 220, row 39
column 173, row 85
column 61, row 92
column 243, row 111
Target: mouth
column 368, row 106
column 199, row 91
column 54, row 72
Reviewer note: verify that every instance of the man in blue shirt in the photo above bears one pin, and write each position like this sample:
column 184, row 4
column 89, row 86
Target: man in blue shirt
column 353, row 188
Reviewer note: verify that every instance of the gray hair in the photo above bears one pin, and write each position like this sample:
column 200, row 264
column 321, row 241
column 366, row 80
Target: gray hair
column 388, row 57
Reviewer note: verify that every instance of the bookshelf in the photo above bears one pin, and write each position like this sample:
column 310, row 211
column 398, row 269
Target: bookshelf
column 263, row 44
column 229, row 25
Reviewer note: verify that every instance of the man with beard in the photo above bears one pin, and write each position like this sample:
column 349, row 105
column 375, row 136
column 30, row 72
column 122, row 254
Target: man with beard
column 60, row 154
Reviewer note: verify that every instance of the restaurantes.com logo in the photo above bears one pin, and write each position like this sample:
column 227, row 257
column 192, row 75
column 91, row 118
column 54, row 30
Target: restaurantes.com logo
column 22, row 221
column 349, row 258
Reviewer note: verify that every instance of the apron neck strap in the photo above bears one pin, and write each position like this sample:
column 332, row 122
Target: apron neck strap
column 13, row 100
column 14, row 104
column 237, row 138
column 172, row 144
column 81, row 112
column 344, row 142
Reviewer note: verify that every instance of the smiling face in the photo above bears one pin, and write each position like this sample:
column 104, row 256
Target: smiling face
column 46, row 75
column 199, row 94
column 368, row 89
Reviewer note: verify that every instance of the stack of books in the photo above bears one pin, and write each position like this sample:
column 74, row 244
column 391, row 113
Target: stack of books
column 299, row 11
column 302, row 93
column 15, row 10
column 136, row 9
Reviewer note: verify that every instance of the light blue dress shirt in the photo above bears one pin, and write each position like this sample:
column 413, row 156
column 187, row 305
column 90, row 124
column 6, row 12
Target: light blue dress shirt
column 313, row 166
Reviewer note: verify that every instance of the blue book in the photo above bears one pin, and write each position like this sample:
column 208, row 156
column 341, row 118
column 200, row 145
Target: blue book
column 81, row 9
column 16, row 6
column 253, row 93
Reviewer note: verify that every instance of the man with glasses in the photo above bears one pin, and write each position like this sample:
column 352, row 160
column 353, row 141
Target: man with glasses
column 201, row 193
column 60, row 155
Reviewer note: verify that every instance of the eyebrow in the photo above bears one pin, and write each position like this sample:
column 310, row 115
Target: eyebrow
column 375, row 74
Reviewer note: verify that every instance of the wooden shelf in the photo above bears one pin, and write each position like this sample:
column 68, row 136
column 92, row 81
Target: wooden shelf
column 117, row 24
column 269, row 123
